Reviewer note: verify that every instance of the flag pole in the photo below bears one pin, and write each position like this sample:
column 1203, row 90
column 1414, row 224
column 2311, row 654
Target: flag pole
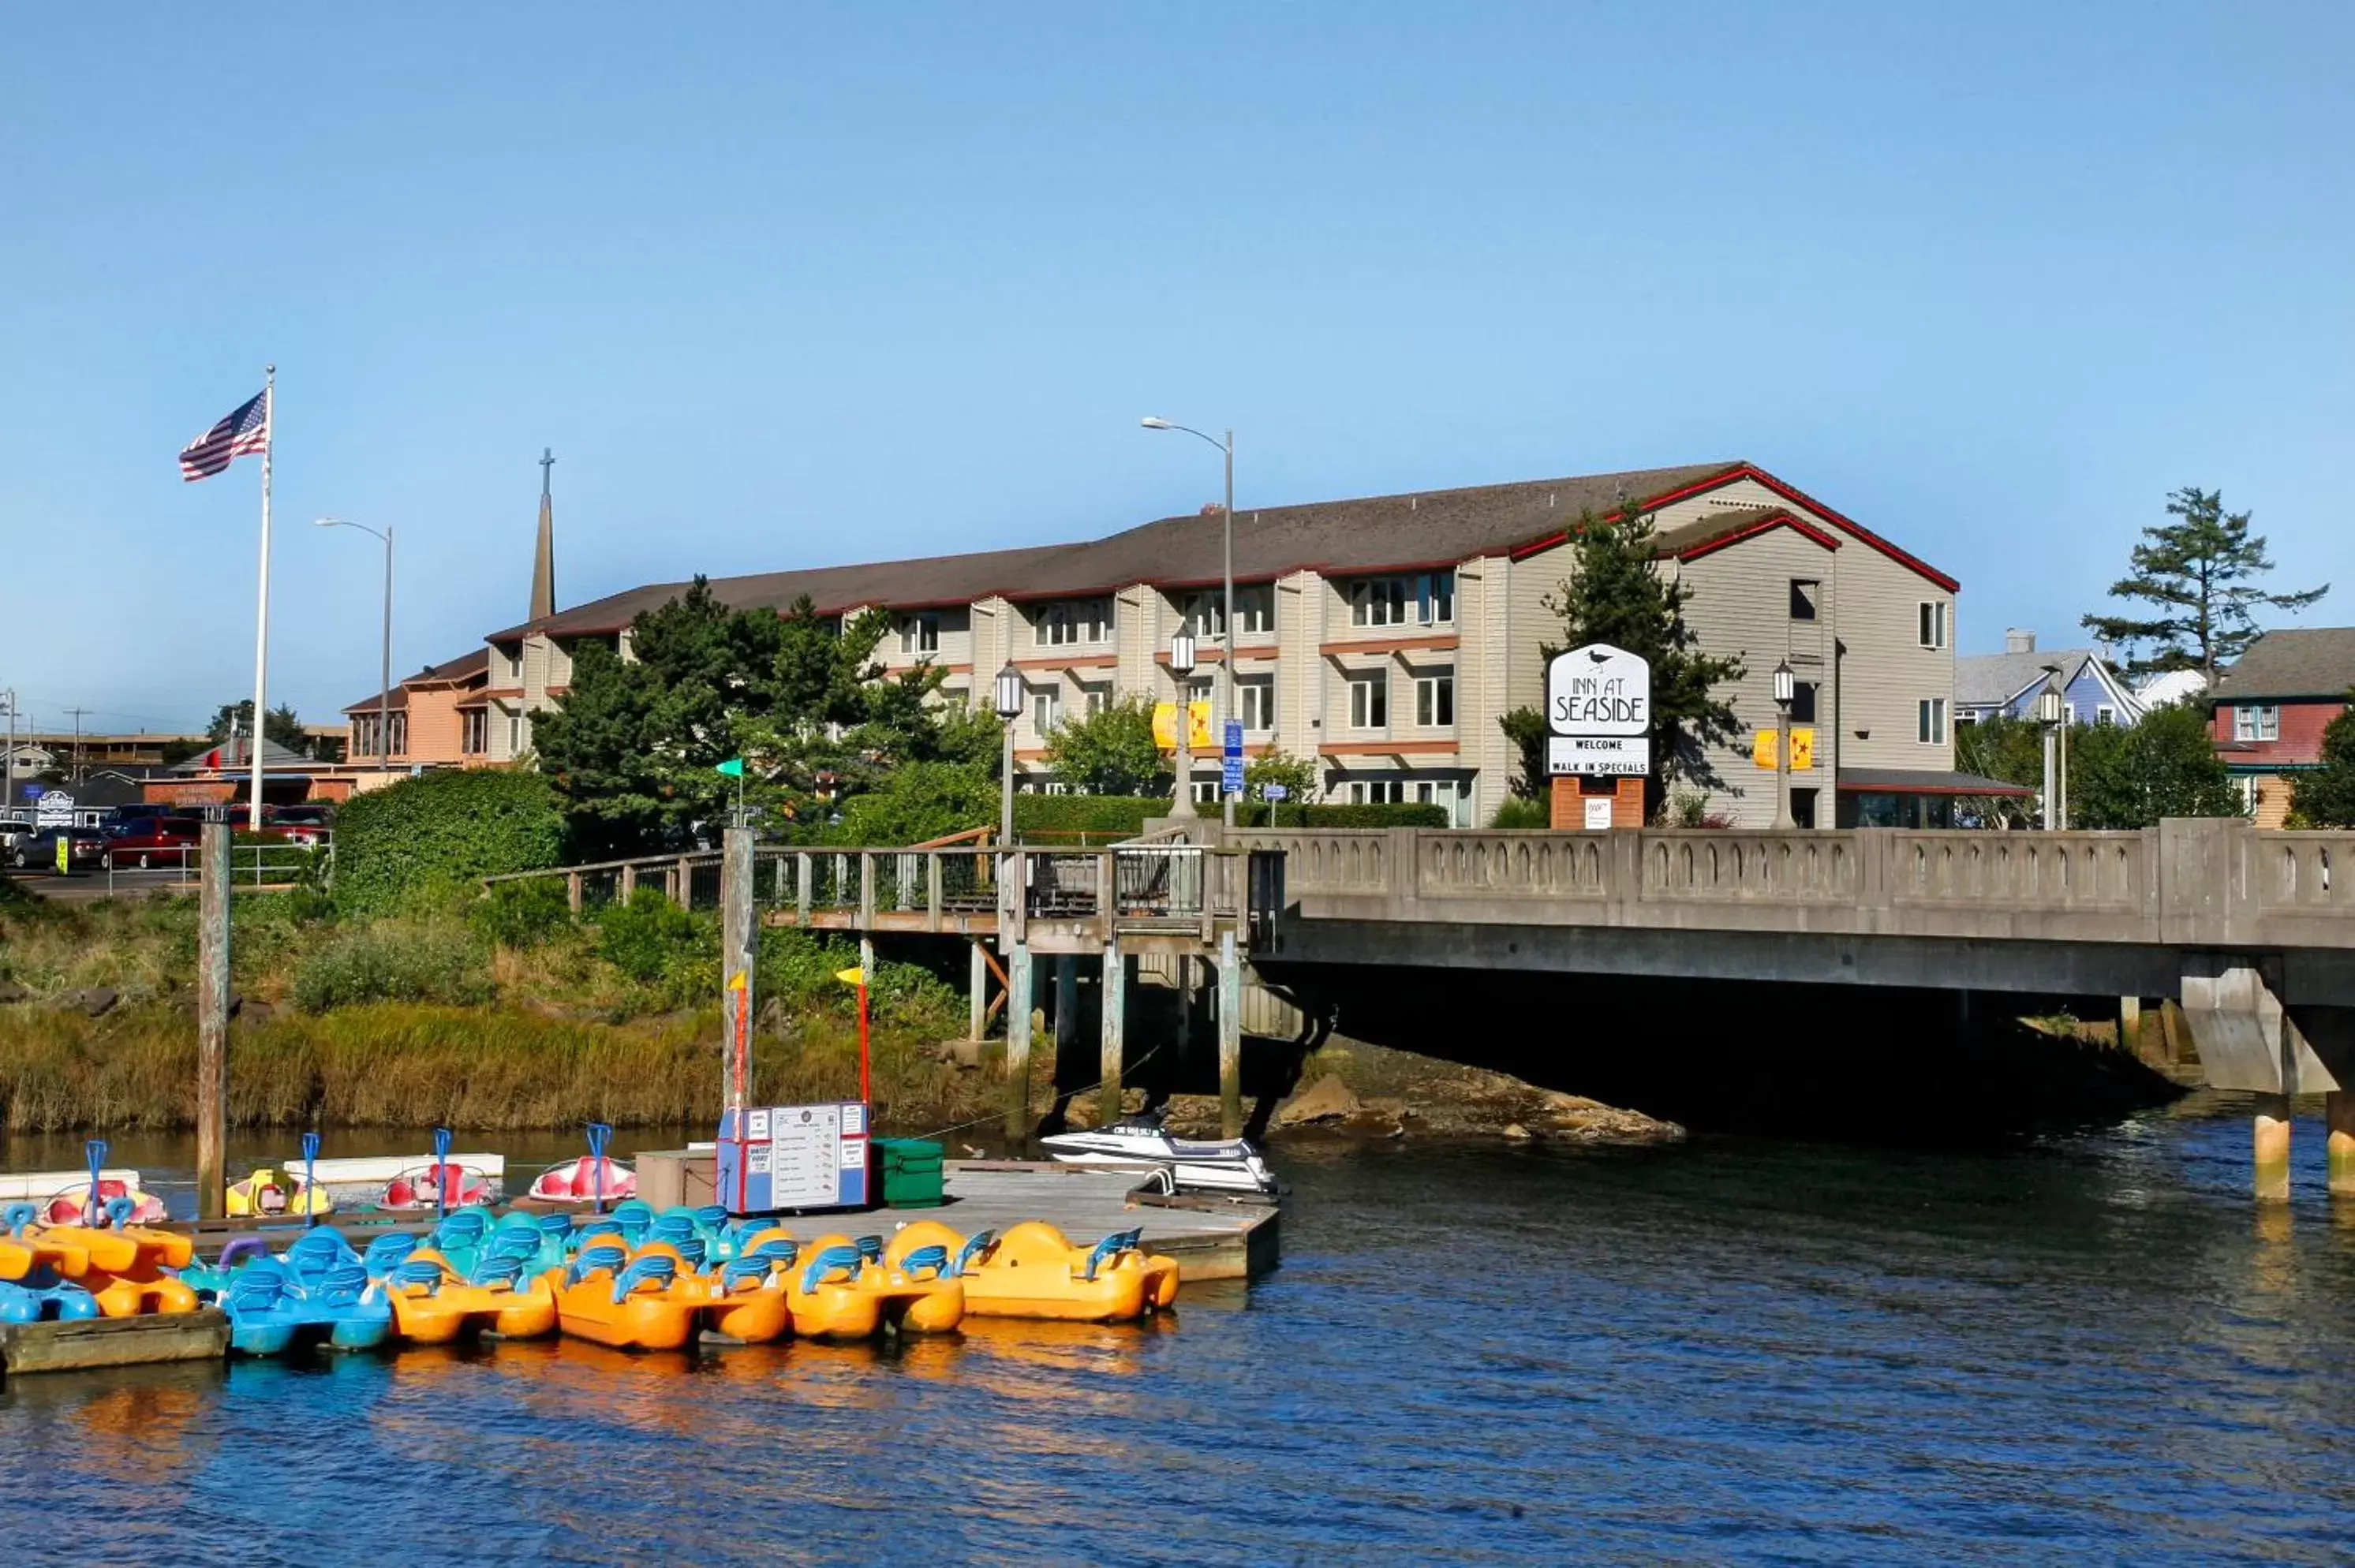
column 261, row 606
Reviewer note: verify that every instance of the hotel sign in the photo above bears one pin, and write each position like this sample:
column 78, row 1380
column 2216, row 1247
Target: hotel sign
column 1599, row 709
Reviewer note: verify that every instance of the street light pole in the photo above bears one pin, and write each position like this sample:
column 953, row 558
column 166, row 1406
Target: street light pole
column 1181, row 664
column 1224, row 710
column 1784, row 692
column 384, row 686
column 2049, row 706
column 1008, row 695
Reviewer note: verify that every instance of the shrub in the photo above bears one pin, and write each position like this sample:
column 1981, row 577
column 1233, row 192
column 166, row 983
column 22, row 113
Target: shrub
column 1516, row 812
column 522, row 913
column 1119, row 816
column 655, row 943
column 920, row 801
column 394, row 962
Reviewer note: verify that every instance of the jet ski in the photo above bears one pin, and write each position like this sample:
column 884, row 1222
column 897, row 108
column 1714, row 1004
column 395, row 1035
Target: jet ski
column 1231, row 1165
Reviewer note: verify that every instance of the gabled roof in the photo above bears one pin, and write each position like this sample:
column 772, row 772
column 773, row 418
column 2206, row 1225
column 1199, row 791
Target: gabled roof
column 459, row 671
column 1991, row 680
column 1424, row 529
column 2317, row 662
column 226, row 758
column 1690, row 541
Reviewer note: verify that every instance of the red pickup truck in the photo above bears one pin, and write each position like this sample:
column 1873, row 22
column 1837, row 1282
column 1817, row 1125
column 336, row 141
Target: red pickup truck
column 156, row 841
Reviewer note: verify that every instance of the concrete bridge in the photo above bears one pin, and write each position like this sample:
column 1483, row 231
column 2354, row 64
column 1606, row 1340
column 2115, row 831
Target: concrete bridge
column 1671, row 969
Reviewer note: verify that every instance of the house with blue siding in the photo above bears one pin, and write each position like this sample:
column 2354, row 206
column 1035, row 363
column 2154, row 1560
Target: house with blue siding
column 1989, row 685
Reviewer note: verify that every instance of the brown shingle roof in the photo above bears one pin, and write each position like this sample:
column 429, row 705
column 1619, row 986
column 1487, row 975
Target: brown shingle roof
column 453, row 673
column 1371, row 534
column 2319, row 661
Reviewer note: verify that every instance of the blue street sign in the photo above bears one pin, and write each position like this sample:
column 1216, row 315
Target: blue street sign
column 1230, row 777
column 1234, row 737
column 1276, row 792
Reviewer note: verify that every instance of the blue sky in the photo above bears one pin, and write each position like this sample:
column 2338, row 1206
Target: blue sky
column 790, row 285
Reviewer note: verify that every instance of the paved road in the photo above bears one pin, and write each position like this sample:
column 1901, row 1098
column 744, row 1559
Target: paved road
column 85, row 885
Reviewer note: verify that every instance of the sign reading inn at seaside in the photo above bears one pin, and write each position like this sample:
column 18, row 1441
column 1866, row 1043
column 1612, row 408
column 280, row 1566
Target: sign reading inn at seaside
column 1599, row 708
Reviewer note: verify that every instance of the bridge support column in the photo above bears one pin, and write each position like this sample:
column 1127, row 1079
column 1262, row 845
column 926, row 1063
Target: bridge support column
column 1230, row 1037
column 1114, row 1007
column 2271, row 1148
column 1018, row 1045
column 2130, row 1023
column 2338, row 1116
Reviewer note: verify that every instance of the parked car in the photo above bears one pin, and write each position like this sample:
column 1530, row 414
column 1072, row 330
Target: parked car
column 39, row 850
column 305, row 825
column 158, row 841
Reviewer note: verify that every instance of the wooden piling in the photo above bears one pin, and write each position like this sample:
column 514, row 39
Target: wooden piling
column 739, row 958
column 212, row 1024
column 977, row 994
column 1114, row 1005
column 1018, row 1045
column 1230, row 1037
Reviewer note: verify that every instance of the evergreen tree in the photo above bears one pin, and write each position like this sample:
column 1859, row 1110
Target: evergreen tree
column 2326, row 797
column 2198, row 572
column 2166, row 766
column 1617, row 594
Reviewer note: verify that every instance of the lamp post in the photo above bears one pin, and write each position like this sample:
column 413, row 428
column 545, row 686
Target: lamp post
column 384, row 691
column 1784, row 690
column 1181, row 664
column 2050, row 706
column 1224, row 708
column 1007, row 697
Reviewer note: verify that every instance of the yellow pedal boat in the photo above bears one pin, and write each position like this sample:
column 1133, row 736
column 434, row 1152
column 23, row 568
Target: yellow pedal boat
column 433, row 1304
column 270, row 1190
column 1034, row 1270
column 606, row 1296
column 125, row 1270
column 742, row 1302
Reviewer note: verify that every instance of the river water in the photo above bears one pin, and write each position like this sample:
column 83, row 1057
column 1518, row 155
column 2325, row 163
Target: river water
column 1725, row 1351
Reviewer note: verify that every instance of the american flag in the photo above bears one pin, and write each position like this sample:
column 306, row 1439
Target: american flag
column 246, row 430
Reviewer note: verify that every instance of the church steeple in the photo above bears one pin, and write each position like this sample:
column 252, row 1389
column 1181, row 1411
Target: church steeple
column 543, row 559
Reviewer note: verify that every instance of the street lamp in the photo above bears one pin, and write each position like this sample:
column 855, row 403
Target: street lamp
column 1008, row 699
column 1784, row 689
column 384, row 691
column 1224, row 709
column 1181, row 664
column 2050, row 709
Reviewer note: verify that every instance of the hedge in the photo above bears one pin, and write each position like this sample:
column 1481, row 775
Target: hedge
column 1120, row 814
column 1404, row 814
column 440, row 831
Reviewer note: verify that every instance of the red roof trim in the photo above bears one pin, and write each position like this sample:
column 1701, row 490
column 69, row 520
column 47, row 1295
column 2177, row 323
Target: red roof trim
column 1762, row 526
column 1800, row 498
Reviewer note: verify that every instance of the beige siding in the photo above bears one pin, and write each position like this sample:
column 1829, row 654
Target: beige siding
column 1741, row 607
column 1885, row 672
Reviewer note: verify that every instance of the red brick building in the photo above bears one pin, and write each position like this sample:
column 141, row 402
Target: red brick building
column 2273, row 707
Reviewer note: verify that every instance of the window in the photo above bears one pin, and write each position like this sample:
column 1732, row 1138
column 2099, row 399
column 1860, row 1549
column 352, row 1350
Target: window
column 1802, row 597
column 1370, row 701
column 2257, row 723
column 1449, row 793
column 1933, row 623
column 1204, row 611
column 1803, row 702
column 1061, row 624
column 1255, row 703
column 919, row 634
column 1434, row 701
column 518, row 735
column 1254, row 609
column 1097, row 699
column 476, row 735
column 1931, row 722
column 2104, row 714
column 1045, row 708
column 1206, row 792
column 1426, row 598
column 1803, row 808
column 1376, row 791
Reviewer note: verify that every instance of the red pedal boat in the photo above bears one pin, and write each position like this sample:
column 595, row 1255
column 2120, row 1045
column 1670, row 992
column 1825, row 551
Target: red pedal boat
column 585, row 1180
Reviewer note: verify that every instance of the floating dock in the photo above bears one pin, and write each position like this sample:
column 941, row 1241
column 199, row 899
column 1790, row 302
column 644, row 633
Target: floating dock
column 201, row 1335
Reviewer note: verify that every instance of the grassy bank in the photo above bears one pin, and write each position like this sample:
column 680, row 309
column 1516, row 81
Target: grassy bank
column 486, row 1016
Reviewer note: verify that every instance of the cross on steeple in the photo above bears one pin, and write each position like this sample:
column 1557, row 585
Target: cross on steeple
column 547, row 461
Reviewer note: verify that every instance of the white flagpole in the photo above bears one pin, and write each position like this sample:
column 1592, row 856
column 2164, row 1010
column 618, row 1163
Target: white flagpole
column 261, row 609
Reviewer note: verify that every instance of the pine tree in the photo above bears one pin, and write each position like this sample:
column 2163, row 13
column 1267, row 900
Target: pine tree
column 1617, row 594
column 2198, row 572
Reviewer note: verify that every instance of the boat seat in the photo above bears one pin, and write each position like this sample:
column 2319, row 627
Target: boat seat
column 425, row 1271
column 975, row 1245
column 845, row 1258
column 594, row 1229
column 658, row 1271
column 870, row 1248
column 745, row 1274
column 711, row 1216
column 1112, row 1246
column 498, row 1270
column 933, row 1258
column 387, row 1253
column 343, row 1283
column 604, row 1254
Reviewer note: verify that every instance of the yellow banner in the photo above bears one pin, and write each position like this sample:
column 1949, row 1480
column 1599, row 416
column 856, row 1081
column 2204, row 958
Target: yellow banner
column 1763, row 749
column 1197, row 726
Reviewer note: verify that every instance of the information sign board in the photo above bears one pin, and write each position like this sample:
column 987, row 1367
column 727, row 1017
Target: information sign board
column 794, row 1157
column 1599, row 690
column 1606, row 755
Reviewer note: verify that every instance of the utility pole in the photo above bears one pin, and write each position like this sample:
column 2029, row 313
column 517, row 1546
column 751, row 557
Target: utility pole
column 77, row 714
column 8, row 765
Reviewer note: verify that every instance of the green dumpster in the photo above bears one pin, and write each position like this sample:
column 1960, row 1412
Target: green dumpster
column 911, row 1171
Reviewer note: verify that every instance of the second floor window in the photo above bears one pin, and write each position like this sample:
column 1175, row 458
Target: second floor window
column 2257, row 723
column 1255, row 704
column 1434, row 701
column 919, row 634
column 1423, row 599
column 1097, row 699
column 1805, row 591
column 1930, row 722
column 1803, row 702
column 1070, row 621
column 477, row 735
column 1932, row 627
column 1369, row 702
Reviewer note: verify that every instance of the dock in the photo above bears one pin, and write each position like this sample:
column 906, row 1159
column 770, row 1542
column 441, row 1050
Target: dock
column 201, row 1335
